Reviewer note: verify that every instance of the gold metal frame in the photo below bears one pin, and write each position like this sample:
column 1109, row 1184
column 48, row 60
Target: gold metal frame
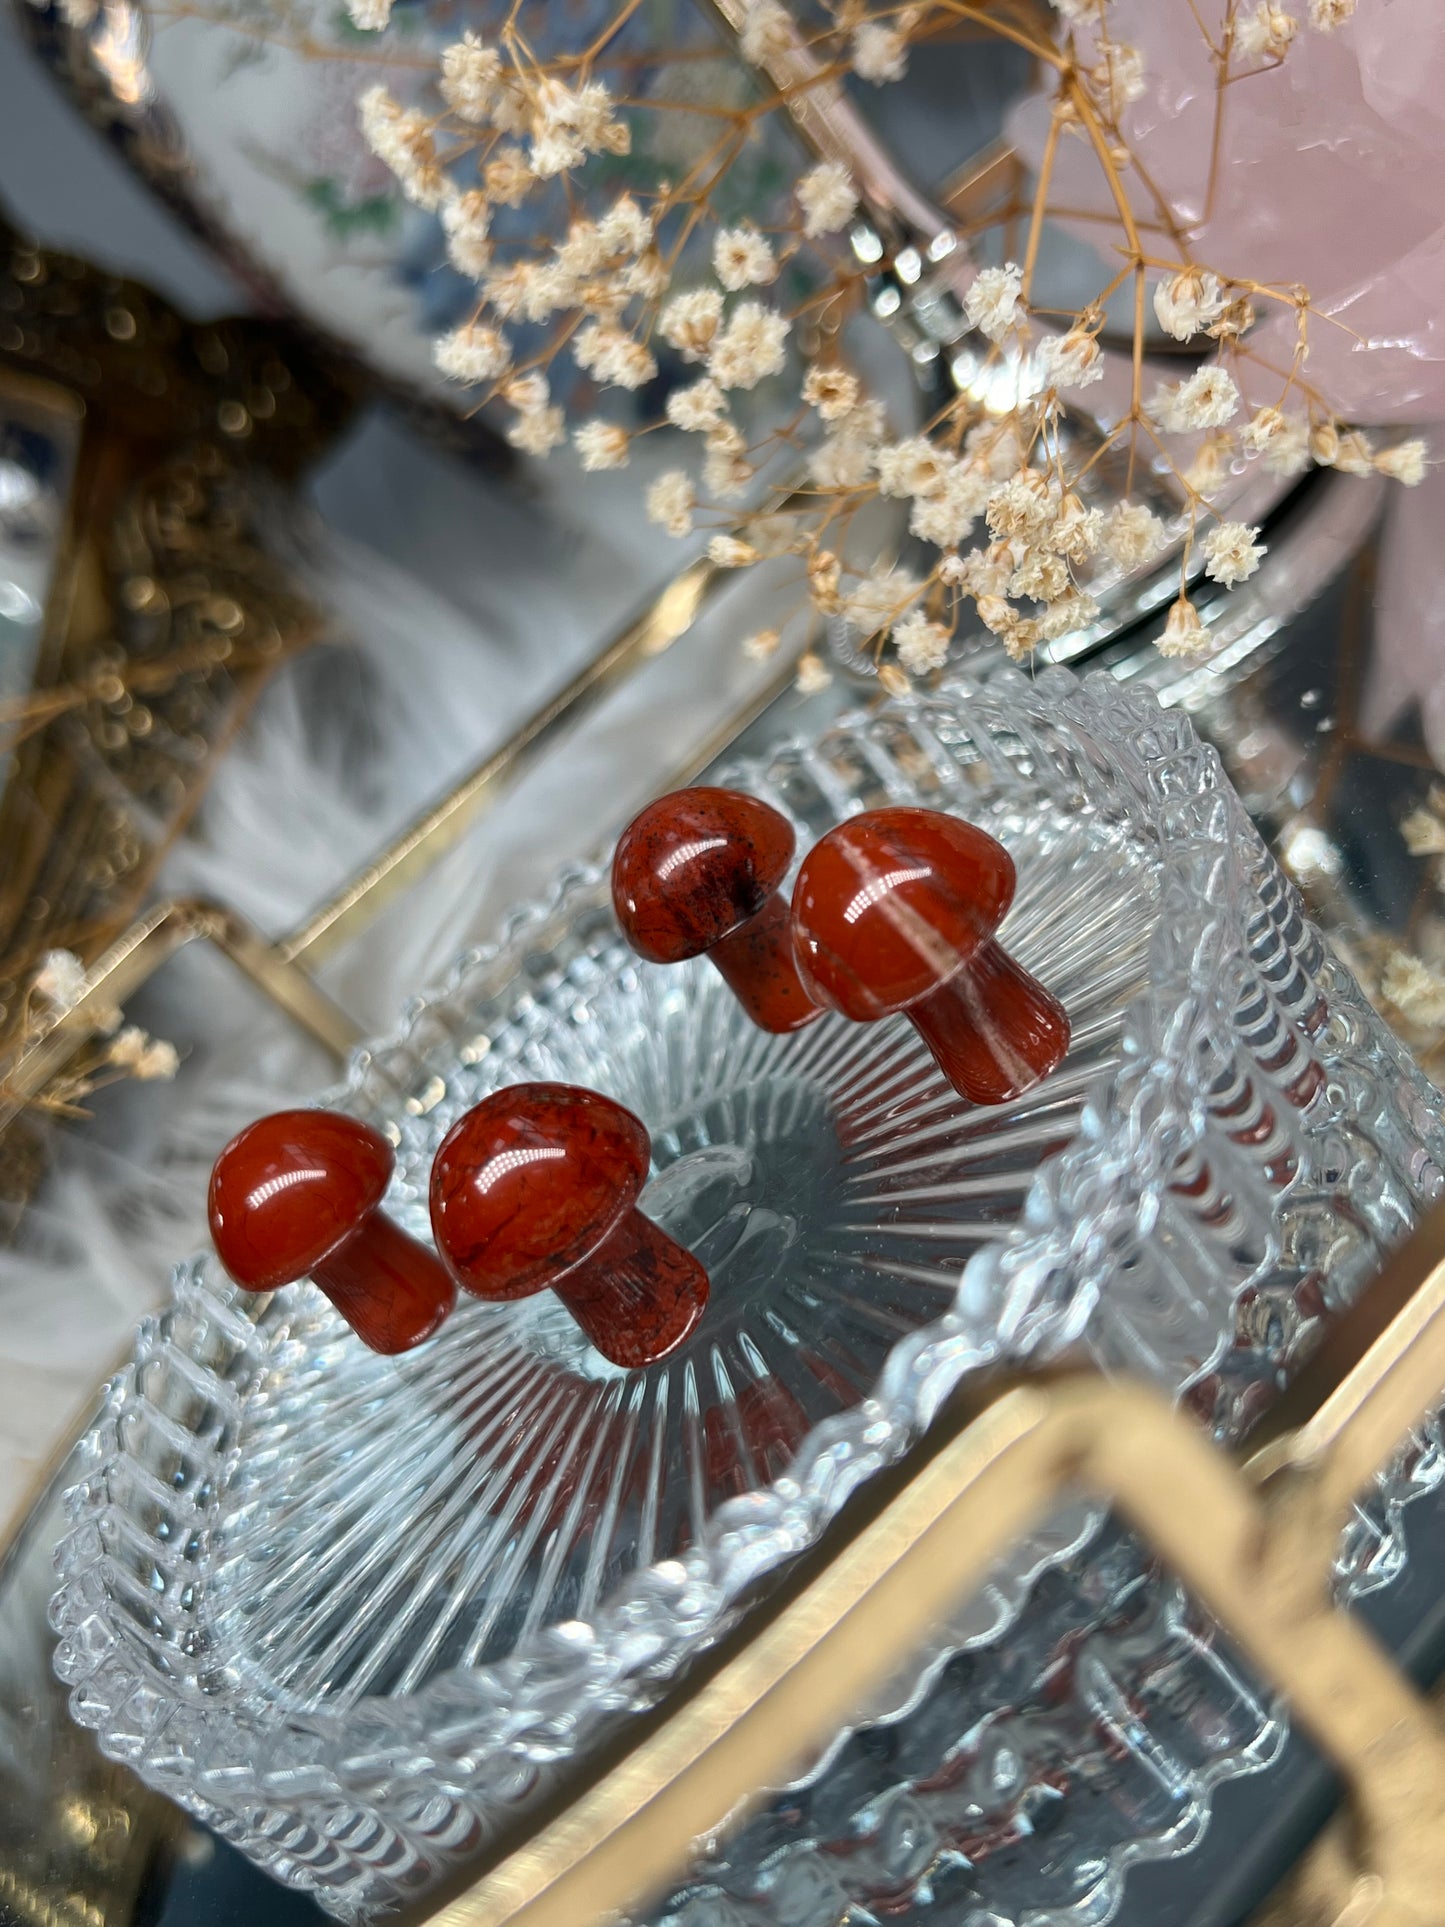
column 1253, row 1539
column 281, row 967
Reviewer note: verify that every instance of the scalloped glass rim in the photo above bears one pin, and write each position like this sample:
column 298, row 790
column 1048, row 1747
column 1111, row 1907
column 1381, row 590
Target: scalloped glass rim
column 1035, row 1288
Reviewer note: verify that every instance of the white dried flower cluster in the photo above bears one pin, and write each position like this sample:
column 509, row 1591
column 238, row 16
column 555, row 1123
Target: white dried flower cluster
column 994, row 303
column 743, row 258
column 1119, row 77
column 1424, row 828
column 671, row 500
column 1231, row 553
column 142, row 1056
column 1266, row 33
column 828, row 198
column 1415, row 990
column 880, row 50
column 1188, row 302
column 60, row 980
column 680, row 314
column 1207, row 399
column 1184, row 633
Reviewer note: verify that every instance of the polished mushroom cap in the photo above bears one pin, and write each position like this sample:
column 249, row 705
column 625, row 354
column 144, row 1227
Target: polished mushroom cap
column 892, row 904
column 527, row 1185
column 291, row 1188
column 695, row 866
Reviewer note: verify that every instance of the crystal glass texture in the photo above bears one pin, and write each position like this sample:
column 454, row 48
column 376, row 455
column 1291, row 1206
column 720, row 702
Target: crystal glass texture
column 351, row 1610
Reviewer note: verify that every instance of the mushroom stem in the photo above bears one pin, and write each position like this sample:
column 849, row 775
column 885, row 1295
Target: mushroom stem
column 756, row 963
column 993, row 1029
column 638, row 1295
column 390, row 1288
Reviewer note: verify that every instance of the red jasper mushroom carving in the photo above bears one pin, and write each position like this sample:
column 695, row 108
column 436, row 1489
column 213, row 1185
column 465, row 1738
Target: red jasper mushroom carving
column 697, row 872
column 298, row 1195
column 895, row 910
column 536, row 1189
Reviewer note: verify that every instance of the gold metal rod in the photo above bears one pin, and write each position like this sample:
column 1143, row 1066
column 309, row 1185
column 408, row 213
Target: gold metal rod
column 140, row 951
column 807, row 1670
column 432, row 834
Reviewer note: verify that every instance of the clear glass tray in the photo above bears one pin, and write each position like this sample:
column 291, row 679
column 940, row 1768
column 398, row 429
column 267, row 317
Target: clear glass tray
column 351, row 1610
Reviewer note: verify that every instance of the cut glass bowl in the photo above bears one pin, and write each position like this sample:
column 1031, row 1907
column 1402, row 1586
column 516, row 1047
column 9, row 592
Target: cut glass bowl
column 352, row 1610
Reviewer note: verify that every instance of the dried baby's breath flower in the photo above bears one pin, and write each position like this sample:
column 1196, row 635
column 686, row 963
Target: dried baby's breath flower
column 1069, row 361
column 601, row 445
column 892, row 679
column 1188, row 302
column 1326, row 15
column 727, row 552
column 993, row 302
column 1131, row 534
column 880, row 52
column 507, row 177
column 697, row 408
column 1118, row 78
column 1405, row 462
column 143, row 1056
column 882, row 598
column 1020, row 506
column 841, row 461
column 690, row 322
column 827, row 196
column 1184, row 634
column 612, row 356
column 1040, row 576
column 1266, row 33
column 469, row 77
column 1208, row 399
column 1067, row 615
column 402, row 139
column 1353, row 453
column 1283, row 440
column 370, row 15
column 473, row 353
column 922, row 645
column 527, row 393
column 1234, row 319
column 947, row 514
column 911, row 467
column 466, row 219
column 726, row 470
column 758, row 647
column 570, row 123
column 767, row 32
column 671, row 501
column 1415, row 990
column 1231, row 553
column 1076, row 532
column 60, row 979
column 750, row 347
column 824, row 575
column 1206, row 473
column 538, row 431
column 743, row 258
column 1424, row 828
column 832, row 391
column 813, row 674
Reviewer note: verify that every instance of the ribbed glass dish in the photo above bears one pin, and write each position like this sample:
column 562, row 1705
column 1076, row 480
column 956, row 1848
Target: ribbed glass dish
column 352, row 1610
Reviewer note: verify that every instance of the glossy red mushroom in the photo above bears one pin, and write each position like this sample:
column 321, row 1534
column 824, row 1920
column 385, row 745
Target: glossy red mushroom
column 895, row 910
column 536, row 1190
column 697, row 873
column 298, row 1195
